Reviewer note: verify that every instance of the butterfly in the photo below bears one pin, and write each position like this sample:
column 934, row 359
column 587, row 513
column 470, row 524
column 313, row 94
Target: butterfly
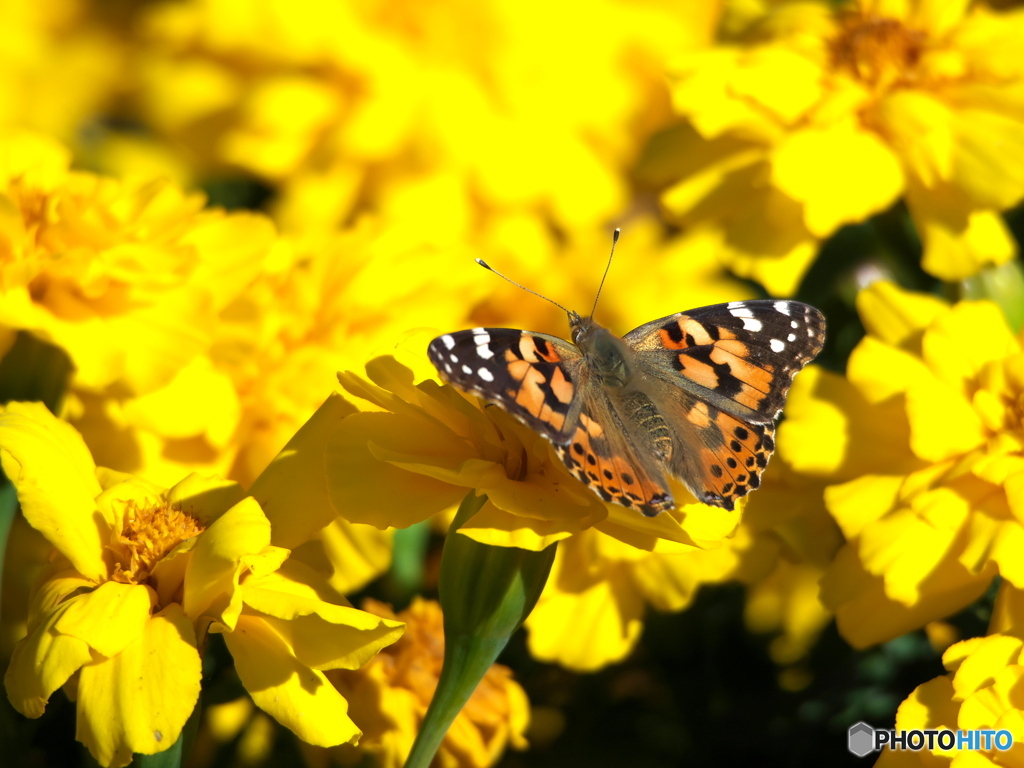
column 694, row 395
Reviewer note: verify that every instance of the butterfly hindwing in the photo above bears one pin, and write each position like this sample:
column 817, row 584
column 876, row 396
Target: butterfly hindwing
column 533, row 376
column 603, row 458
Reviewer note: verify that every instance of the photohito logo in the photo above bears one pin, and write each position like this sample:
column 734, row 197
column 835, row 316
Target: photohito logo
column 863, row 739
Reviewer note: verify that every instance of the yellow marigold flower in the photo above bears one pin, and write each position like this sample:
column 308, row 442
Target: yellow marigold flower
column 981, row 691
column 126, row 276
column 428, row 445
column 352, row 103
column 923, row 446
column 140, row 575
column 811, row 116
column 390, row 693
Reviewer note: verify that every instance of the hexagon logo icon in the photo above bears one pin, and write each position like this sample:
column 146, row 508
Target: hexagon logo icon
column 860, row 739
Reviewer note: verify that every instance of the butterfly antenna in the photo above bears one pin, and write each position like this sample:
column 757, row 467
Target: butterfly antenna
column 485, row 265
column 615, row 239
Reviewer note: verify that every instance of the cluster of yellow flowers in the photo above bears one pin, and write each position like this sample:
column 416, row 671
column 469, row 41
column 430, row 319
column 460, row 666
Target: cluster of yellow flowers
column 242, row 413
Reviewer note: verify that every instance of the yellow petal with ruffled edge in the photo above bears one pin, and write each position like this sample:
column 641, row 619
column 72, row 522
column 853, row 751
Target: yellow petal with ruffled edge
column 841, row 174
column 50, row 465
column 292, row 490
column 942, row 423
column 866, row 615
column 296, row 696
column 956, row 351
column 986, row 658
column 609, row 612
column 109, row 617
column 41, row 663
column 211, row 579
column 139, row 700
column 897, row 316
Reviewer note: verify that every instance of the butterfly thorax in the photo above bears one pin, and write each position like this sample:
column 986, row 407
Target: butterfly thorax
column 608, row 356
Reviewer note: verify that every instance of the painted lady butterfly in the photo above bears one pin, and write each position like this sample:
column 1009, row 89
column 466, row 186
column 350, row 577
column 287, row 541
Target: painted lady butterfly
column 694, row 395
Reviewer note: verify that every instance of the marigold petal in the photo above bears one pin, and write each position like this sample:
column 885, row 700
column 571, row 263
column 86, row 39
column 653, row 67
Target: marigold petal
column 139, row 700
column 292, row 490
column 211, row 579
column 866, row 615
column 298, row 697
column 608, row 611
column 357, row 480
column 989, row 158
column 503, row 529
column 109, row 617
column 958, row 238
column 920, row 127
column 322, row 644
column 41, row 663
column 55, row 477
column 954, row 349
column 880, row 370
column 862, row 501
column 986, row 658
column 930, row 706
column 841, row 174
column 906, row 547
column 895, row 315
column 199, row 400
column 352, row 554
column 957, row 431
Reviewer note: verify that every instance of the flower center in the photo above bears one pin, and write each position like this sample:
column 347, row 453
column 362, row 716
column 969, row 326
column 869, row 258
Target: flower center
column 148, row 534
column 879, row 52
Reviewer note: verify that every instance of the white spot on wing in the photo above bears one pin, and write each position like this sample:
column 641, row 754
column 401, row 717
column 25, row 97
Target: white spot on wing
column 453, row 357
column 448, row 340
column 741, row 311
column 467, row 370
column 484, row 374
column 782, row 306
column 734, row 304
column 485, row 352
column 791, row 337
column 750, row 324
column 447, row 368
column 776, row 345
column 794, row 324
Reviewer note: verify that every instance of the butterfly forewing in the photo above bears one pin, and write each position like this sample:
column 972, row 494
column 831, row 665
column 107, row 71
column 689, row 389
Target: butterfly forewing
column 741, row 357
column 533, row 376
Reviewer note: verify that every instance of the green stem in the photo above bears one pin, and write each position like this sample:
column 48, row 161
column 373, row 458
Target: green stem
column 486, row 593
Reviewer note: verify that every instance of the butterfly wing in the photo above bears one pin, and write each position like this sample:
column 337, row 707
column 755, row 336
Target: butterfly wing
column 720, row 375
column 601, row 455
column 542, row 381
column 533, row 376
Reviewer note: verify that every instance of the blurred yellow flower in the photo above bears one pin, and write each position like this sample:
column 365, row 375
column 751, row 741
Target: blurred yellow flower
column 923, row 447
column 126, row 276
column 140, row 575
column 403, row 104
column 389, row 696
column 810, row 116
column 427, row 446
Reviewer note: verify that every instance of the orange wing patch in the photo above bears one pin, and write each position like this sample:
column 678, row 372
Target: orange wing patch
column 612, row 477
column 733, row 456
